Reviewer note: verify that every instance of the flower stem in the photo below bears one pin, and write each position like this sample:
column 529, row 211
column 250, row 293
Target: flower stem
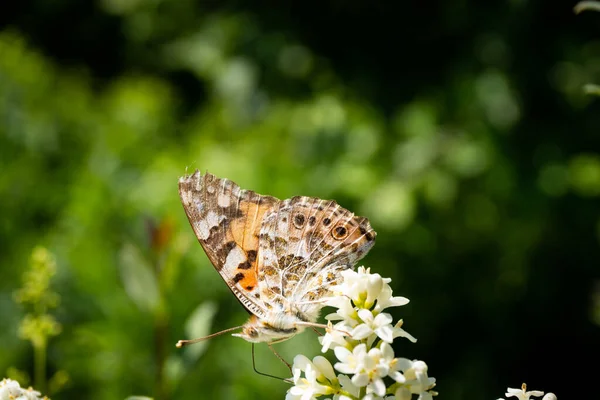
column 363, row 392
column 39, row 364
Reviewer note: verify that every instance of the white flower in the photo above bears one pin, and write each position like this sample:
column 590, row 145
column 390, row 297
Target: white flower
column 320, row 379
column 350, row 360
column 355, row 296
column 318, row 374
column 523, row 394
column 345, row 309
column 364, row 288
column 399, row 332
column 415, row 378
column 365, row 366
column 386, row 300
column 348, row 387
column 335, row 336
column 363, row 360
column 11, row 390
column 379, row 325
column 403, row 393
column 389, row 360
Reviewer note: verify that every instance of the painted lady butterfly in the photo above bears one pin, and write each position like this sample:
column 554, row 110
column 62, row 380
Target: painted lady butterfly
column 279, row 258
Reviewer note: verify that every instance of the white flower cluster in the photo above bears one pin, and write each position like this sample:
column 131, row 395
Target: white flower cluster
column 523, row 394
column 11, row 390
column 361, row 341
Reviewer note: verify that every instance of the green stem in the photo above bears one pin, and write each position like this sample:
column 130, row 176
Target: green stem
column 39, row 364
column 348, row 394
column 160, row 339
column 161, row 334
column 363, row 392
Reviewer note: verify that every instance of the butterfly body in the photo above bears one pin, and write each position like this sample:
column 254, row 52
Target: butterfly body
column 278, row 257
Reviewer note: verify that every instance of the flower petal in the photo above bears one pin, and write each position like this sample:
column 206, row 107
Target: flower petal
column 342, row 353
column 361, row 332
column 324, row 366
column 366, row 315
column 300, row 362
column 360, row 380
column 378, row 387
column 387, row 351
column 386, row 333
column 348, row 386
column 383, row 319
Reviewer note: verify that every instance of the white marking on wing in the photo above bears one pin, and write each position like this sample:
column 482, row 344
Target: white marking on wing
column 202, row 229
column 199, row 206
column 223, row 200
column 282, row 226
column 186, row 197
column 204, row 225
column 235, row 257
column 214, row 219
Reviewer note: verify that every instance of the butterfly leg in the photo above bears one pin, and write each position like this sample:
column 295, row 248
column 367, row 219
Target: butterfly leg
column 279, row 356
column 268, row 375
column 316, row 331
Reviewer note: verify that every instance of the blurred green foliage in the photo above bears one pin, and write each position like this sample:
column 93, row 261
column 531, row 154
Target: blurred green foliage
column 463, row 133
column 38, row 325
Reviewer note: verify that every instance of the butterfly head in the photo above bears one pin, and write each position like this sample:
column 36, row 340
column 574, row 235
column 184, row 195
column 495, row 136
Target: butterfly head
column 279, row 328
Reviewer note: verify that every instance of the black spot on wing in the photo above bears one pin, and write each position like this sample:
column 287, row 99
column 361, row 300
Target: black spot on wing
column 238, row 277
column 245, row 265
column 299, row 220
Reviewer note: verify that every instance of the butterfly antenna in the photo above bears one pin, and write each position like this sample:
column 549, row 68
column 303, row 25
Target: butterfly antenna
column 182, row 343
column 287, row 380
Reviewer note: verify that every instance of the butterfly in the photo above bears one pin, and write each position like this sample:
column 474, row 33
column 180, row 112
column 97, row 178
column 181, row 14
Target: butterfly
column 279, row 257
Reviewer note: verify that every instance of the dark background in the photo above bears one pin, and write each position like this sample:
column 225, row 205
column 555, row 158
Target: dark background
column 461, row 129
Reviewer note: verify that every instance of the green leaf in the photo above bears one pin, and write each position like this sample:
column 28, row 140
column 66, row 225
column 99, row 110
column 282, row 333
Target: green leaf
column 198, row 325
column 138, row 278
column 584, row 174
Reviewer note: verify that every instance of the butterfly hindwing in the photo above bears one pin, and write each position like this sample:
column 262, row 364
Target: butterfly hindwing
column 305, row 243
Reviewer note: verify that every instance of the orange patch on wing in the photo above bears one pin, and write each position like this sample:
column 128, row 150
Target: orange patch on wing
column 238, row 228
column 245, row 232
column 249, row 282
column 247, row 229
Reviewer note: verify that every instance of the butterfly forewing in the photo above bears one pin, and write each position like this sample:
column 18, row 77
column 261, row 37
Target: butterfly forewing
column 224, row 219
